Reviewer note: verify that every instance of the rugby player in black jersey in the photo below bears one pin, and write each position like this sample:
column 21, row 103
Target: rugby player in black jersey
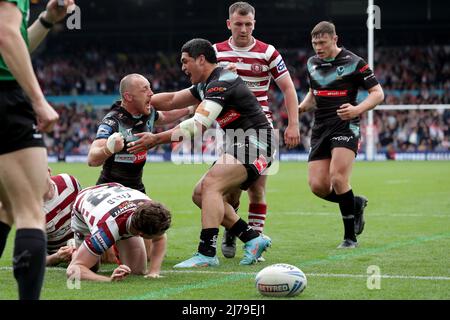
column 132, row 115
column 221, row 96
column 335, row 75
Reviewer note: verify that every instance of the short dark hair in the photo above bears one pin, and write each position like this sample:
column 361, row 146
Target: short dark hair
column 197, row 47
column 151, row 218
column 242, row 8
column 323, row 27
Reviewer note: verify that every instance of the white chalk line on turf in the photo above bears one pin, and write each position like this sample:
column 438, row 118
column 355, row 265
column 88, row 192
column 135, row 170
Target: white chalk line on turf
column 387, row 214
column 319, row 275
column 311, row 213
column 323, row 275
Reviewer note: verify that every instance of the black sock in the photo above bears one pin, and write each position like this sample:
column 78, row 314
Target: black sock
column 208, row 242
column 243, row 231
column 4, row 231
column 29, row 262
column 332, row 197
column 347, row 206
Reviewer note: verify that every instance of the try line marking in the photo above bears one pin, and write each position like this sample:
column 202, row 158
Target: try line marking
column 319, row 275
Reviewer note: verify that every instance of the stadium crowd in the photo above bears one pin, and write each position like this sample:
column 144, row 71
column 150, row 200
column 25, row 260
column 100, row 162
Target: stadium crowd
column 413, row 75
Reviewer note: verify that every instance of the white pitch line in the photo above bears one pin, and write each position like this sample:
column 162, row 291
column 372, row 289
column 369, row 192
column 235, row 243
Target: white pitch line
column 323, row 275
column 328, row 213
column 320, row 275
column 386, row 214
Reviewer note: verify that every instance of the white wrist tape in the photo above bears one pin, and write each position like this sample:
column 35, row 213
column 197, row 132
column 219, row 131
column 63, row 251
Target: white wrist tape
column 189, row 126
column 208, row 112
column 192, row 109
column 111, row 143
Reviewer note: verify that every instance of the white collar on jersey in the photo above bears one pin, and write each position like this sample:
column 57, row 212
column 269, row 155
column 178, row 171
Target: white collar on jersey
column 242, row 48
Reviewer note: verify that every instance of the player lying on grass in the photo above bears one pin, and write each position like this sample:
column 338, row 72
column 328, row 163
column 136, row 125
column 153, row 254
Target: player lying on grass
column 110, row 214
column 58, row 203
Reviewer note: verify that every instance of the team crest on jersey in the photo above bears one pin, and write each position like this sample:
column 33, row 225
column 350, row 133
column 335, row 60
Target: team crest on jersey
column 257, row 68
column 340, row 70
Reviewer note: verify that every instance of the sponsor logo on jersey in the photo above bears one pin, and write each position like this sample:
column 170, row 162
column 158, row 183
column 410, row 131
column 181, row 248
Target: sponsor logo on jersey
column 252, row 84
column 330, row 93
column 364, row 68
column 131, row 158
column 216, row 89
column 100, row 241
column 121, row 208
column 281, row 66
column 227, row 118
column 109, row 122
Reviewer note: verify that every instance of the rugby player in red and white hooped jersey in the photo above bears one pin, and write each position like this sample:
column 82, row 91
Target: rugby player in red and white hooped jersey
column 58, row 203
column 256, row 63
column 109, row 214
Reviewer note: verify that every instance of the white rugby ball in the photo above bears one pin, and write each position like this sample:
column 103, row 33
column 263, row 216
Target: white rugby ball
column 280, row 280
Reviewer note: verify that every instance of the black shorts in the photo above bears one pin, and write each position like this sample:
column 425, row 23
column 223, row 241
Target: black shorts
column 333, row 134
column 255, row 151
column 17, row 120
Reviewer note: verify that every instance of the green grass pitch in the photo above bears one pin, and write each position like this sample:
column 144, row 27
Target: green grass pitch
column 407, row 236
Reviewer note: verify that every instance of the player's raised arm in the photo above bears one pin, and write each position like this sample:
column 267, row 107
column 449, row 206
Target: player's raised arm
column 165, row 117
column 40, row 28
column 205, row 115
column 173, row 100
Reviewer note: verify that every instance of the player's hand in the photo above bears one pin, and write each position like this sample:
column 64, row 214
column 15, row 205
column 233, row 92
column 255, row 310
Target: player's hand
column 120, row 273
column 348, row 111
column 153, row 276
column 64, row 254
column 115, row 142
column 292, row 136
column 232, row 67
column 146, row 141
column 55, row 13
column 45, row 114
